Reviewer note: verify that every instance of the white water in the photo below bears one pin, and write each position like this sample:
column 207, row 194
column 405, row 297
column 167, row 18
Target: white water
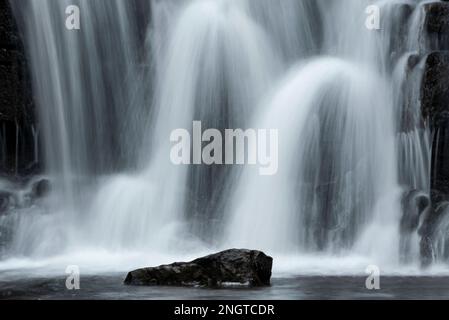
column 109, row 98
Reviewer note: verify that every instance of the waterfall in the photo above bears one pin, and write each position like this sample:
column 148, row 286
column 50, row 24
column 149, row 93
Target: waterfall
column 85, row 83
column 337, row 185
column 333, row 138
column 351, row 138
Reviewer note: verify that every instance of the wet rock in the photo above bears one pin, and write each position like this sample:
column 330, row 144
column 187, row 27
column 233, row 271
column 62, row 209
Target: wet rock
column 5, row 200
column 17, row 121
column 435, row 108
column 435, row 89
column 249, row 267
column 413, row 205
column 440, row 159
column 409, row 94
column 436, row 25
column 40, row 189
column 434, row 230
column 5, row 238
column 426, row 252
column 397, row 24
column 412, row 62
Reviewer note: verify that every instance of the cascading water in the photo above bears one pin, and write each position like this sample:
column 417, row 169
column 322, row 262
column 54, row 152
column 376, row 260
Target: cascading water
column 328, row 120
column 110, row 94
column 337, row 186
column 85, row 84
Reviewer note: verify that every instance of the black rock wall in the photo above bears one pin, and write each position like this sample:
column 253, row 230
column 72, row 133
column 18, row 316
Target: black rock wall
column 18, row 128
column 435, row 109
column 435, row 95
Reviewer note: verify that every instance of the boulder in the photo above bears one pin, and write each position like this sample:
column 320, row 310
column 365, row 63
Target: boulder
column 40, row 188
column 249, row 267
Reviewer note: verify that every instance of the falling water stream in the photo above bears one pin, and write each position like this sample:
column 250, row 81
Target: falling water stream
column 109, row 95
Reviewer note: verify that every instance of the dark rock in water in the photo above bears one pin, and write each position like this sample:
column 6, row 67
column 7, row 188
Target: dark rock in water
column 5, row 238
column 18, row 127
column 437, row 17
column 426, row 252
column 436, row 25
column 5, row 199
column 41, row 188
column 435, row 89
column 414, row 204
column 412, row 62
column 409, row 93
column 433, row 230
column 440, row 159
column 435, row 108
column 397, row 23
column 249, row 267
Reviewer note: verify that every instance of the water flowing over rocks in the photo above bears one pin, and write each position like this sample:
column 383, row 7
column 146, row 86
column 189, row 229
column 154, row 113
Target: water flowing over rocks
column 100, row 136
column 247, row 267
column 436, row 25
column 5, row 201
column 415, row 204
column 435, row 111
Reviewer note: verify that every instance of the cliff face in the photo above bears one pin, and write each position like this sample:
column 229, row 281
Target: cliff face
column 18, row 129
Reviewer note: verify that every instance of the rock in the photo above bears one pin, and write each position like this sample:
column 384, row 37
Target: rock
column 435, row 108
column 434, row 90
column 5, row 200
column 17, row 120
column 434, row 234
column 426, row 252
column 40, row 188
column 414, row 204
column 397, row 25
column 440, row 159
column 5, row 238
column 249, row 267
column 436, row 25
column 412, row 61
